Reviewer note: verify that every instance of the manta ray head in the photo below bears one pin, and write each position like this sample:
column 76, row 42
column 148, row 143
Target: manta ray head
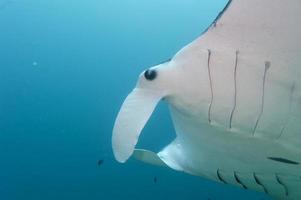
column 154, row 84
column 159, row 79
column 184, row 87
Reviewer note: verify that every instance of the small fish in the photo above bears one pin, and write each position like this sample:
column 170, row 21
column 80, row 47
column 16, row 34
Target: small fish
column 155, row 179
column 100, row 162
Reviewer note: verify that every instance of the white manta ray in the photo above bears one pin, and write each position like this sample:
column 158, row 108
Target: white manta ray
column 235, row 100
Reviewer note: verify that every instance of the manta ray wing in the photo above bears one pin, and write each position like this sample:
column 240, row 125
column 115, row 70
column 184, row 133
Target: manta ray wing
column 252, row 54
column 254, row 57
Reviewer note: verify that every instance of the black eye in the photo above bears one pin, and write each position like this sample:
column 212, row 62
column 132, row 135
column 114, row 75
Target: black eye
column 150, row 74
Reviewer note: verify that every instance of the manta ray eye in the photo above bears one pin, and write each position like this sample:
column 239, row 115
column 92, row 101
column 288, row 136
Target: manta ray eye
column 150, row 74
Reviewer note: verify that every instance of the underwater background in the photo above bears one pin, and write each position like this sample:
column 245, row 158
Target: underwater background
column 65, row 68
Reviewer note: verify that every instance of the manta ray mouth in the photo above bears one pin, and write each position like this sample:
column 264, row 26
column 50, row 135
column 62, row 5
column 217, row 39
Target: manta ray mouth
column 132, row 117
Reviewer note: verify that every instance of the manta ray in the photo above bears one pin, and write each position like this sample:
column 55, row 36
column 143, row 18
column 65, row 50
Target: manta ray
column 234, row 96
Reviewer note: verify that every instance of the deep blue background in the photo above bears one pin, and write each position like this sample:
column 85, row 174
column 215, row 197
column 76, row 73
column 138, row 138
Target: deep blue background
column 65, row 68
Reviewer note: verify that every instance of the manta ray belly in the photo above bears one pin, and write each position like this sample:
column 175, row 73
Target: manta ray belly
column 229, row 157
column 245, row 120
column 251, row 102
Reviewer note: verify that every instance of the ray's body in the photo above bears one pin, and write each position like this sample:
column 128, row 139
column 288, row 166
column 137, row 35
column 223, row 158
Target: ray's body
column 234, row 96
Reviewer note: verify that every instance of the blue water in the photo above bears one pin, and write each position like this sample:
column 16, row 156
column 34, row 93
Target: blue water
column 65, row 68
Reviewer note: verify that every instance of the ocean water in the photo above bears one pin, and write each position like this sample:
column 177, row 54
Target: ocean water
column 65, row 68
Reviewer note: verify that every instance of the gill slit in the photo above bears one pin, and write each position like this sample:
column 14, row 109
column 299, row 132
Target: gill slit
column 281, row 183
column 220, row 177
column 259, row 183
column 239, row 181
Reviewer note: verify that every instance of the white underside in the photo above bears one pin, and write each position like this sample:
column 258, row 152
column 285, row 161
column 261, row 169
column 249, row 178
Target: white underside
column 225, row 156
column 235, row 101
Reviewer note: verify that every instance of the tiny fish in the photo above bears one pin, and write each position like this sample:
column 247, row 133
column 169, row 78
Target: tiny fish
column 155, row 179
column 100, row 162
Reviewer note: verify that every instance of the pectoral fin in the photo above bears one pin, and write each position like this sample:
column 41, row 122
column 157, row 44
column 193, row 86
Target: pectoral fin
column 148, row 157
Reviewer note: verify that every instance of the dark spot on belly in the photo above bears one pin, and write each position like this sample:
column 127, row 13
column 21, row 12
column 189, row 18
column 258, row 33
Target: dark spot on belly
column 283, row 160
